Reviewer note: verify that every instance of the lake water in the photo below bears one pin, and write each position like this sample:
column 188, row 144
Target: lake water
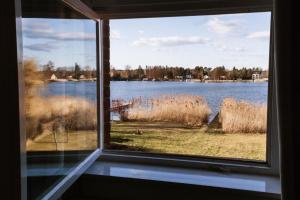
column 214, row 93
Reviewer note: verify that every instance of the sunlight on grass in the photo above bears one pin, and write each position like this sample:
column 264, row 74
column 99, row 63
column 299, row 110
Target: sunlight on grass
column 170, row 138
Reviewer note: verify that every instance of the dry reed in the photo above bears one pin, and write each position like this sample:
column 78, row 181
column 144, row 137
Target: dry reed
column 190, row 110
column 243, row 117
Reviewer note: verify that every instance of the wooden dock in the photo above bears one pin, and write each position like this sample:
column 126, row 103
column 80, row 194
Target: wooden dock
column 120, row 107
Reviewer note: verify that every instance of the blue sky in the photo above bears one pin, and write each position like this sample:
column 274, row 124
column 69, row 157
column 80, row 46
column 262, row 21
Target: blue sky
column 240, row 40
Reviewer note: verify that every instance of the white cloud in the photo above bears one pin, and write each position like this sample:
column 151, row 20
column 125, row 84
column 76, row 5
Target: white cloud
column 44, row 31
column 221, row 26
column 46, row 47
column 169, row 41
column 259, row 35
column 225, row 48
column 115, row 34
column 141, row 32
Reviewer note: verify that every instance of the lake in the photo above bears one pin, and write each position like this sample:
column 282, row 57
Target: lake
column 214, row 93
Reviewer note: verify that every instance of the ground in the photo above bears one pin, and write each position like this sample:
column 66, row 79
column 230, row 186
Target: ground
column 162, row 137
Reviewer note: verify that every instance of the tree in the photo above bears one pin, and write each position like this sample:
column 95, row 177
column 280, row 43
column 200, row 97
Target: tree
column 87, row 72
column 234, row 74
column 127, row 72
column 199, row 72
column 218, row 72
column 77, row 71
column 140, row 72
column 48, row 69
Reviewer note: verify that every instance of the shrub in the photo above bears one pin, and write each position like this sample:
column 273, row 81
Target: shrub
column 243, row 117
column 190, row 110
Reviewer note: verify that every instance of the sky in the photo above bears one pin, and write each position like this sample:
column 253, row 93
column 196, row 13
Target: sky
column 63, row 41
column 240, row 40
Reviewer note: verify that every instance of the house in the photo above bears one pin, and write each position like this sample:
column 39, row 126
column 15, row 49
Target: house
column 222, row 77
column 188, row 76
column 205, row 77
column 256, row 76
column 53, row 77
column 82, row 77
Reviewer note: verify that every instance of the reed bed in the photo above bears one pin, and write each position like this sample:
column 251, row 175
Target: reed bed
column 190, row 110
column 59, row 113
column 243, row 117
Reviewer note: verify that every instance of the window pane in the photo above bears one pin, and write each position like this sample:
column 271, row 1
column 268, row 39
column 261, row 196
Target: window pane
column 59, row 49
column 195, row 85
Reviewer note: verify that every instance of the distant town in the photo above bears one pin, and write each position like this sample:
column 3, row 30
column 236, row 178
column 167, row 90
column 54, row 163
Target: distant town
column 155, row 73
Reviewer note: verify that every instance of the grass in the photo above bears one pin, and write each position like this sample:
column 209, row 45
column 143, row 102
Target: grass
column 241, row 116
column 79, row 140
column 162, row 137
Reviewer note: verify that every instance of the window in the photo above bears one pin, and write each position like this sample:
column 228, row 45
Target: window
column 183, row 88
column 192, row 86
column 61, row 88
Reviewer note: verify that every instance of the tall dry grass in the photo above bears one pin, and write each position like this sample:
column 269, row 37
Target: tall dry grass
column 63, row 113
column 190, row 110
column 243, row 117
column 32, row 78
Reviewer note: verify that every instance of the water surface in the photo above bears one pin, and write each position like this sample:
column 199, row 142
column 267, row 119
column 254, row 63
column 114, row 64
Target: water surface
column 214, row 93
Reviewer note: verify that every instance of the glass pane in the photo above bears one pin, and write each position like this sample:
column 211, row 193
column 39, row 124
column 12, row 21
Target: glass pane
column 195, row 85
column 59, row 49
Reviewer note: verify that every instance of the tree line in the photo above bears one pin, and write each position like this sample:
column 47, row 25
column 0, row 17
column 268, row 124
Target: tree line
column 75, row 72
column 198, row 72
column 155, row 72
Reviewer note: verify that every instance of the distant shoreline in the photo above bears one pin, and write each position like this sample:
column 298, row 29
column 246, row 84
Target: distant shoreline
column 187, row 80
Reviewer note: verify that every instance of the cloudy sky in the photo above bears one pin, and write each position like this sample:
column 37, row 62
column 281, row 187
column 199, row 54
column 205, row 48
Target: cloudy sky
column 63, row 41
column 230, row 40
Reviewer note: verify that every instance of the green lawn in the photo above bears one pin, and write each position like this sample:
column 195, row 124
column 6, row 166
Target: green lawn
column 79, row 140
column 162, row 137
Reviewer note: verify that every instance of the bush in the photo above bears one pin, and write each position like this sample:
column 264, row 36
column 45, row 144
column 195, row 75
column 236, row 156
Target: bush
column 243, row 117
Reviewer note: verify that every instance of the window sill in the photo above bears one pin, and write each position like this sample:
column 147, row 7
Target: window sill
column 268, row 186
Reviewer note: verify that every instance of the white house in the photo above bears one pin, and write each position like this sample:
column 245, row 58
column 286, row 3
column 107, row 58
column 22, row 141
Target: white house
column 53, row 77
column 256, row 76
column 205, row 77
column 188, row 76
column 81, row 77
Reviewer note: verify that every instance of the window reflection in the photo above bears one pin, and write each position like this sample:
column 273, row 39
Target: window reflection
column 60, row 94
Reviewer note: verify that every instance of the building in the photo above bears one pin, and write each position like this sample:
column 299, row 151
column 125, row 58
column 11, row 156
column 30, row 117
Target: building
column 82, row 77
column 188, row 76
column 256, row 76
column 53, row 77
